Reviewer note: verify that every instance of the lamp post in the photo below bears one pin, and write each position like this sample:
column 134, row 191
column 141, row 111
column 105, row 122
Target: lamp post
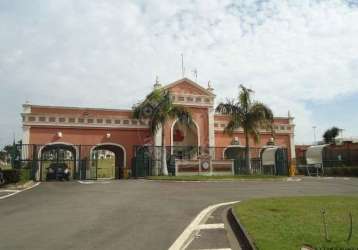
column 314, row 134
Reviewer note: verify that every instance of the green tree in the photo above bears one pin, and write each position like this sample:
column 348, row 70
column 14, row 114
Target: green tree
column 330, row 134
column 247, row 114
column 158, row 108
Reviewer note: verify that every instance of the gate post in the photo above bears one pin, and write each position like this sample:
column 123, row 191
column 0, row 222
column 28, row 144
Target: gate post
column 34, row 164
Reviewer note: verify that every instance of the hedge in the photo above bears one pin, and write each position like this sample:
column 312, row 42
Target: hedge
column 11, row 175
column 341, row 171
column 16, row 175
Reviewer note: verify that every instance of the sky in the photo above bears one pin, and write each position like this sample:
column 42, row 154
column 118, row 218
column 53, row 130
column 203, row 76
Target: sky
column 299, row 56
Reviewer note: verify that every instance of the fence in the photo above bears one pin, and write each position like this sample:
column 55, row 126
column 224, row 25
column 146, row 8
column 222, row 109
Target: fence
column 192, row 160
column 339, row 157
column 82, row 161
column 88, row 162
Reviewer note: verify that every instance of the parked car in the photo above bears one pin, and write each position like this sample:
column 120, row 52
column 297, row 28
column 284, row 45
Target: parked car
column 58, row 171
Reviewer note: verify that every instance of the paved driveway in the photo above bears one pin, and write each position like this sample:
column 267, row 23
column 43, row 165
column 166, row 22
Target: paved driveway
column 129, row 214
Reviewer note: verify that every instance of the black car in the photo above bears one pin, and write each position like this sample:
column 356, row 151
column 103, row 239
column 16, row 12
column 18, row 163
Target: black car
column 58, row 171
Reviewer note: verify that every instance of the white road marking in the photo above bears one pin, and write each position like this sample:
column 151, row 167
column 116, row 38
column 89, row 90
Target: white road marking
column 215, row 249
column 19, row 191
column 210, row 226
column 8, row 190
column 94, row 182
column 184, row 239
column 293, row 179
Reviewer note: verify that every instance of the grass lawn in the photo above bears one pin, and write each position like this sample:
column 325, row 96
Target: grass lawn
column 289, row 223
column 214, row 177
column 105, row 168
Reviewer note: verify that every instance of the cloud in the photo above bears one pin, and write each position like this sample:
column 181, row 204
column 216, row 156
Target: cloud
column 107, row 53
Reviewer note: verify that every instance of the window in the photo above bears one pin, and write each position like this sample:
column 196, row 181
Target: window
column 134, row 122
column 89, row 120
column 181, row 98
column 81, row 120
column 99, row 120
column 61, row 119
column 71, row 120
column 32, row 118
column 42, row 119
column 117, row 121
column 52, row 119
column 189, row 99
column 108, row 121
column 125, row 122
column 198, row 99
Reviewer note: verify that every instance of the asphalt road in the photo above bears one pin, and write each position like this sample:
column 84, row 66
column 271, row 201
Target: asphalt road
column 129, row 214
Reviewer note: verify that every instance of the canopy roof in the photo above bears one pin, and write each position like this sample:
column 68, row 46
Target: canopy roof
column 314, row 154
column 269, row 156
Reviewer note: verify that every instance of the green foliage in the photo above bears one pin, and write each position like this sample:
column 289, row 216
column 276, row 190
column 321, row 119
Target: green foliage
column 247, row 114
column 25, row 174
column 289, row 223
column 159, row 108
column 11, row 175
column 330, row 135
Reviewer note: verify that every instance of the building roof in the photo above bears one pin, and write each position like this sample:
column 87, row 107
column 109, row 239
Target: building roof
column 191, row 82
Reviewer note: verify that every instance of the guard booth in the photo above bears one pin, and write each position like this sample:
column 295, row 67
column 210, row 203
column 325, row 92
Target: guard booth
column 314, row 160
column 274, row 161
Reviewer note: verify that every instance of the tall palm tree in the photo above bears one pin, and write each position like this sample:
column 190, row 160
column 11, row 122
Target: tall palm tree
column 248, row 114
column 158, row 108
column 330, row 135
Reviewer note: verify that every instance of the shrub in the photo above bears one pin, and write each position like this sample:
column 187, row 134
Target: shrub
column 11, row 175
column 341, row 171
column 25, row 174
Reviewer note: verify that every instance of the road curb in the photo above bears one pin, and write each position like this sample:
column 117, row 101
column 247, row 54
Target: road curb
column 241, row 235
column 187, row 235
column 288, row 179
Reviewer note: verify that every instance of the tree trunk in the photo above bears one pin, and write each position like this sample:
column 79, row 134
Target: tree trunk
column 164, row 155
column 247, row 153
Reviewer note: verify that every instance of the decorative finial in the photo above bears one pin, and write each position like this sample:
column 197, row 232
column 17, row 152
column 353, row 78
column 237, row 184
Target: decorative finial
column 289, row 114
column 157, row 85
column 209, row 86
column 271, row 141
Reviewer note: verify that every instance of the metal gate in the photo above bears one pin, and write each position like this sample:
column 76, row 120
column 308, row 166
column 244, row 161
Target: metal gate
column 55, row 157
column 282, row 162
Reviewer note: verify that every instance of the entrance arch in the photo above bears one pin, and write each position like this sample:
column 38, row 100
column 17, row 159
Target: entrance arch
column 185, row 141
column 109, row 160
column 59, row 153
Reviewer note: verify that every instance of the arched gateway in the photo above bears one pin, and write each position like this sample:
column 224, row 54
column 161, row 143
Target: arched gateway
column 57, row 155
column 108, row 161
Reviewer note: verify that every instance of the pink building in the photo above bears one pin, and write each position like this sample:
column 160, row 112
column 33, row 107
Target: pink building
column 116, row 129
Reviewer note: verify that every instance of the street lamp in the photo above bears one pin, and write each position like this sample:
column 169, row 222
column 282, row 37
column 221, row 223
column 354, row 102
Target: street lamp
column 314, row 135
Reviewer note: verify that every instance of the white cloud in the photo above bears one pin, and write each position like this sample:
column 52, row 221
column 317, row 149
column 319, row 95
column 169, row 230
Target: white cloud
column 107, row 53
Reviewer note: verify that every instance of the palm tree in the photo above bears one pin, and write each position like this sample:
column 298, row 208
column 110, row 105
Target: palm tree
column 248, row 114
column 330, row 135
column 158, row 108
